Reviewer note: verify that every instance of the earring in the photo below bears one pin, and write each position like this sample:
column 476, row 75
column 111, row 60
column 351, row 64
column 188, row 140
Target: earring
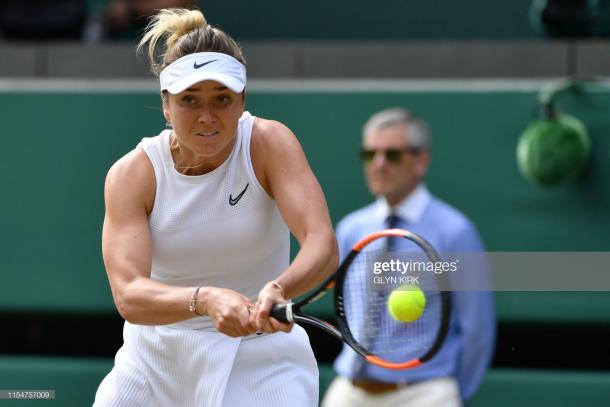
column 168, row 124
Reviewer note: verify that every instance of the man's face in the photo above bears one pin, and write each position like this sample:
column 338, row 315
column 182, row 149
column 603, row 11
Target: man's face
column 394, row 170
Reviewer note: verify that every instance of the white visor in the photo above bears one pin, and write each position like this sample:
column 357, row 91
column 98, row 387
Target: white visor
column 193, row 68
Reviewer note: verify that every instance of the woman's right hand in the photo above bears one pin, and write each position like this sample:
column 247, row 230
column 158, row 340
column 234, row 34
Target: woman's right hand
column 228, row 309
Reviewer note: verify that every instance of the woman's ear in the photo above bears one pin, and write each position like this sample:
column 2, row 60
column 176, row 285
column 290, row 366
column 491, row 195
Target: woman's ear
column 165, row 105
column 166, row 113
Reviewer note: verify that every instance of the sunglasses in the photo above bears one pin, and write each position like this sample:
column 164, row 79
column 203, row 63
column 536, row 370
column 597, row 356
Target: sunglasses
column 392, row 155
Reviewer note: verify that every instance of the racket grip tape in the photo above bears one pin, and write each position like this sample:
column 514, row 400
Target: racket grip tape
column 282, row 312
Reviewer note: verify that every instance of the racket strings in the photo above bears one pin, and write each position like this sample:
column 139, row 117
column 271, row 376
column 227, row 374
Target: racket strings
column 374, row 274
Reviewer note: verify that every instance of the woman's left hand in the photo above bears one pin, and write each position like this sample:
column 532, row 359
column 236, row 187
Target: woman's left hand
column 270, row 295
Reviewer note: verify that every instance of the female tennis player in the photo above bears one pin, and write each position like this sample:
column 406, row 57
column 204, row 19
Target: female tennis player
column 196, row 238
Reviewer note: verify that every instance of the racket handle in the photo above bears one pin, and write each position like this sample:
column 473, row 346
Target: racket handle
column 282, row 312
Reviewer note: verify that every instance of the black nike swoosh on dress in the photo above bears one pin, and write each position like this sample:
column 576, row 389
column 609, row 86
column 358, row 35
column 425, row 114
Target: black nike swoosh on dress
column 233, row 201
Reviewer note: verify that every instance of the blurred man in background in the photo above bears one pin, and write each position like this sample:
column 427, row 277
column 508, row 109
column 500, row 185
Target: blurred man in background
column 396, row 154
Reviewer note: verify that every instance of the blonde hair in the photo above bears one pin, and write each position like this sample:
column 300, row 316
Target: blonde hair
column 183, row 32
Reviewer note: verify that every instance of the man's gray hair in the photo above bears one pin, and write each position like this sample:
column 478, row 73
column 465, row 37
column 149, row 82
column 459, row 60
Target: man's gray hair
column 419, row 132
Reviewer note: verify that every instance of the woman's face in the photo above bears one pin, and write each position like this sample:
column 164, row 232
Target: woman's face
column 205, row 118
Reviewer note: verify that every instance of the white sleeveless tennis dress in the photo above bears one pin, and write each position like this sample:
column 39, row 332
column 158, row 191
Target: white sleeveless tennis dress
column 219, row 229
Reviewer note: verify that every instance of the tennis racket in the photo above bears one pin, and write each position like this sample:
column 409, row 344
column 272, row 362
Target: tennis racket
column 379, row 264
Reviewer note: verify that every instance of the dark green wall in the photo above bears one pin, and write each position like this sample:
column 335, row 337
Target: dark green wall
column 473, row 164
column 382, row 19
column 58, row 147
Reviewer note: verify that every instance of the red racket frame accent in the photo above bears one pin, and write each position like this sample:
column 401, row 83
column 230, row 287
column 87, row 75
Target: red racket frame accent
column 374, row 236
column 394, row 366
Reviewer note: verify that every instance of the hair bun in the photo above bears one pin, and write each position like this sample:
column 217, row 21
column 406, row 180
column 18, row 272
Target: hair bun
column 185, row 21
column 171, row 24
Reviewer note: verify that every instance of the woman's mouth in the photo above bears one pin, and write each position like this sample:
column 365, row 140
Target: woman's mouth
column 207, row 133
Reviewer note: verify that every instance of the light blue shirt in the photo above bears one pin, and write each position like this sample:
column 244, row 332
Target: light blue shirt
column 469, row 346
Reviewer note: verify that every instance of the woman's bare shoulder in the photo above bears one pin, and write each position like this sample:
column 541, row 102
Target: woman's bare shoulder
column 132, row 176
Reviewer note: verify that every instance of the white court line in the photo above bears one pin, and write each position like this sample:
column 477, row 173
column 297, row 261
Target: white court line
column 299, row 85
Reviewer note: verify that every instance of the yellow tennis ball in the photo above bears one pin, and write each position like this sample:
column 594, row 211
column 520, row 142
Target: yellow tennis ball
column 406, row 303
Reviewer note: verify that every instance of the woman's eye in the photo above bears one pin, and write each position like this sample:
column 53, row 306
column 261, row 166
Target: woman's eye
column 224, row 98
column 189, row 100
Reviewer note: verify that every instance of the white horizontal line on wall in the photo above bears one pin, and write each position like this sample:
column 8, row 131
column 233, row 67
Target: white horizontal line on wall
column 295, row 85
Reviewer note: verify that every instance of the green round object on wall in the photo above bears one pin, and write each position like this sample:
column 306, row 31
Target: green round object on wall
column 553, row 150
